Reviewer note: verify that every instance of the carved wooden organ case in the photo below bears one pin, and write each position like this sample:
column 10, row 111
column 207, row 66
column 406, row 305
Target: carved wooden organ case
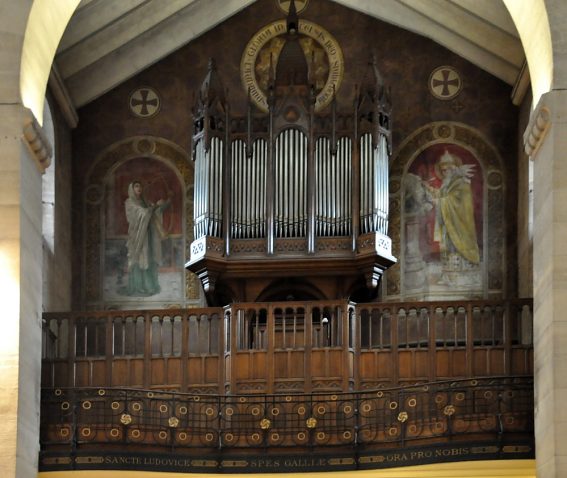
column 294, row 193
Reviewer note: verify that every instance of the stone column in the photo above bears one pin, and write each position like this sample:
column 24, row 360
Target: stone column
column 546, row 143
column 24, row 153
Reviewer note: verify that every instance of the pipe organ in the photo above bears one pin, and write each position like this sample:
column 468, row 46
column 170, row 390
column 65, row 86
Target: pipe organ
column 293, row 193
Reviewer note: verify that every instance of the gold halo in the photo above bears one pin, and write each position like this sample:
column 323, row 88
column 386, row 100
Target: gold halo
column 379, row 394
column 299, row 8
column 65, row 406
column 255, row 436
column 366, row 407
column 183, row 410
column 162, row 435
column 210, row 411
column 150, row 395
column 102, row 392
column 393, row 405
column 136, row 406
column 460, row 396
column 275, row 436
column 242, row 399
column 229, row 436
column 87, row 405
column 58, row 392
column 163, row 408
column 255, row 411
column 275, row 30
column 229, row 412
column 301, row 436
column 288, row 398
column 301, row 410
column 275, row 411
column 412, row 402
column 209, row 436
column 182, row 436
column 347, row 435
column 135, row 433
column 321, row 410
column 85, row 431
column 115, row 433
column 115, row 405
column 347, row 409
column 393, row 431
column 334, row 397
column 64, row 432
column 321, row 435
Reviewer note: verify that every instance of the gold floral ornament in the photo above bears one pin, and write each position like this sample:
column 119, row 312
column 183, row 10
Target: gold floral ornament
column 402, row 416
column 125, row 419
column 173, row 422
column 311, row 422
column 449, row 410
column 265, row 424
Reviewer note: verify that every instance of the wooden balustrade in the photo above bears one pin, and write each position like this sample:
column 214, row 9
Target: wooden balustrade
column 288, row 347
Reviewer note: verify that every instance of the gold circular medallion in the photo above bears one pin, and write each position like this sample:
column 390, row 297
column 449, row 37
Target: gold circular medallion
column 322, row 52
column 300, row 5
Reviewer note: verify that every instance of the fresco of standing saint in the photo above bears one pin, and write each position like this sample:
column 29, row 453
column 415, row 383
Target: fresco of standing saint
column 145, row 235
column 443, row 217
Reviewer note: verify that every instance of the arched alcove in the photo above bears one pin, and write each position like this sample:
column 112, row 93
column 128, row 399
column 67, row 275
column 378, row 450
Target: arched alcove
column 448, row 217
column 111, row 228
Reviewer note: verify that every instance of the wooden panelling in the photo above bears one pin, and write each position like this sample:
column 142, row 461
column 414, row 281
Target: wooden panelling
column 276, row 348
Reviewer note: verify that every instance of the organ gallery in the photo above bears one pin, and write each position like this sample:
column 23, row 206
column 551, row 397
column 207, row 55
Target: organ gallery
column 293, row 251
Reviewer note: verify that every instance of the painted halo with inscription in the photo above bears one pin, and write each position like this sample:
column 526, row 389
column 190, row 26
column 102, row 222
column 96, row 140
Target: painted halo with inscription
column 322, row 52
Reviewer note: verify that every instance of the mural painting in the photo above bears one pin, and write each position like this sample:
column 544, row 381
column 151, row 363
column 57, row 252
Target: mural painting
column 443, row 222
column 143, row 247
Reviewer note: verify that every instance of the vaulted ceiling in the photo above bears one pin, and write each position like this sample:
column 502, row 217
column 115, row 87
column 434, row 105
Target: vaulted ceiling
column 109, row 41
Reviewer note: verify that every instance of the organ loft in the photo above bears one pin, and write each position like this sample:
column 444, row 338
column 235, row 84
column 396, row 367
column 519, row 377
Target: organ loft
column 291, row 202
column 316, row 343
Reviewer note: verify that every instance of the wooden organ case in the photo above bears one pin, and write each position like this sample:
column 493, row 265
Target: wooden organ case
column 292, row 204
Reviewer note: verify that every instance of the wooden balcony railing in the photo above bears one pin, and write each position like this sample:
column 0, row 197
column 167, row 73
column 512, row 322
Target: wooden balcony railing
column 288, row 347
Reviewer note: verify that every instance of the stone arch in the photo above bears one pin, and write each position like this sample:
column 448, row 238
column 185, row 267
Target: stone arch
column 532, row 21
column 93, row 207
column 45, row 26
column 488, row 278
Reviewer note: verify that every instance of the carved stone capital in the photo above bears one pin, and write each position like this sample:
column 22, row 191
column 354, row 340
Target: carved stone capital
column 38, row 144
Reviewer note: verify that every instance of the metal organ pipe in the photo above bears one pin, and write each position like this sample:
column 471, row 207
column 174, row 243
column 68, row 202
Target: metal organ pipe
column 208, row 188
column 291, row 183
column 374, row 185
column 248, row 190
column 334, row 188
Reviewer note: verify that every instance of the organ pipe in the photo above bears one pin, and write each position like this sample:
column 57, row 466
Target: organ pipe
column 307, row 177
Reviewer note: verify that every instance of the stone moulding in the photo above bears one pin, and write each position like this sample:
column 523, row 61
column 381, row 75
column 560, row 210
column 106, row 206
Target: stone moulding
column 37, row 143
column 537, row 129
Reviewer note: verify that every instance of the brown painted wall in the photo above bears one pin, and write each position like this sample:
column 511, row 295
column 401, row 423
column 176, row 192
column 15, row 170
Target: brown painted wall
column 405, row 61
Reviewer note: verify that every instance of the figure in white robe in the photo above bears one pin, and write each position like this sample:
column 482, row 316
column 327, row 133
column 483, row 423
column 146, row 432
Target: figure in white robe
column 145, row 235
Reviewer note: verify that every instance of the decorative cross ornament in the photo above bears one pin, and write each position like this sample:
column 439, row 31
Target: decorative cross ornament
column 144, row 102
column 445, row 83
